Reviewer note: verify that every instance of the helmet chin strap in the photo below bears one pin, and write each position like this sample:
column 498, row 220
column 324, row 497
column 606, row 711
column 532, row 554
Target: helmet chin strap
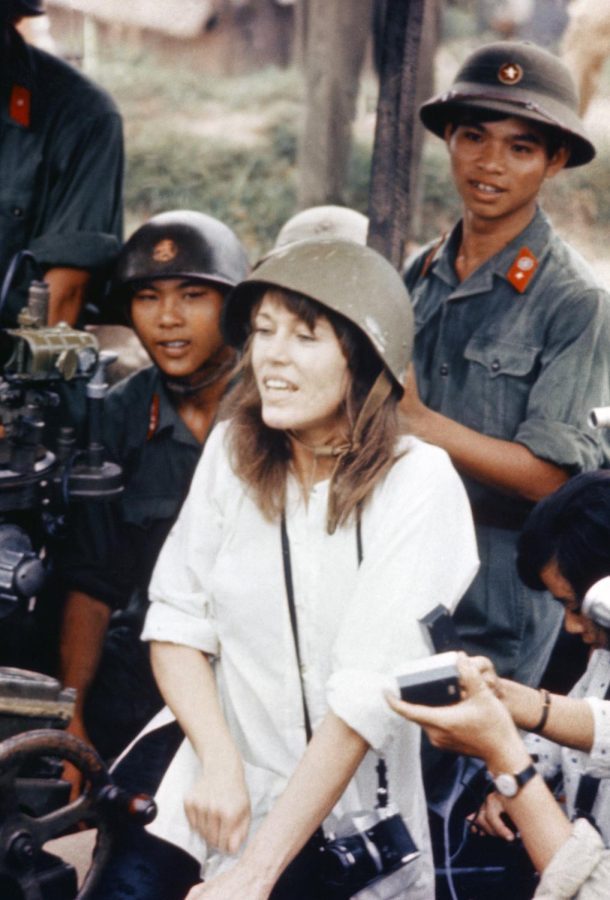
column 378, row 394
column 208, row 375
column 376, row 397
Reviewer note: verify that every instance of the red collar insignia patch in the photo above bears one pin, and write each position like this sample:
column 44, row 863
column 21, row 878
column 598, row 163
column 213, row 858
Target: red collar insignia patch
column 153, row 421
column 522, row 269
column 20, row 105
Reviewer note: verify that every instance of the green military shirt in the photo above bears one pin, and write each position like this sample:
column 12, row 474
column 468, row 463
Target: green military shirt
column 112, row 546
column 519, row 351
column 61, row 166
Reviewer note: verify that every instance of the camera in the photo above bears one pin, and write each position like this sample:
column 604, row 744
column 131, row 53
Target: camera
column 433, row 681
column 596, row 605
column 599, row 417
column 365, row 847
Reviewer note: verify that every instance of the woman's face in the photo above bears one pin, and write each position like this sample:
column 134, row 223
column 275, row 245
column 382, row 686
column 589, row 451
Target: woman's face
column 301, row 372
column 574, row 621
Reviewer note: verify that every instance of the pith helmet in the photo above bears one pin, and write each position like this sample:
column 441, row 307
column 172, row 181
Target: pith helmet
column 347, row 278
column 518, row 79
column 182, row 244
column 324, row 222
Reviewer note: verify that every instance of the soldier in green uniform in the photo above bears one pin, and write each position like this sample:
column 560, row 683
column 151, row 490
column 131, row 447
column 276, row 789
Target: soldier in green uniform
column 512, row 331
column 61, row 172
column 172, row 276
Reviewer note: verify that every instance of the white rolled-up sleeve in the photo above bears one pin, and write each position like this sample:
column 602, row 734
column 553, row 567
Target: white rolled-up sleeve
column 419, row 550
column 181, row 609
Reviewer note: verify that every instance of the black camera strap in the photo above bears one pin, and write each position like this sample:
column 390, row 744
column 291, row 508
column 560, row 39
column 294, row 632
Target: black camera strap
column 382, row 788
column 292, row 606
column 293, row 621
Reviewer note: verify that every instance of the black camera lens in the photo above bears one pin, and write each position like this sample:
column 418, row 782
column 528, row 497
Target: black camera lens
column 394, row 843
column 346, row 862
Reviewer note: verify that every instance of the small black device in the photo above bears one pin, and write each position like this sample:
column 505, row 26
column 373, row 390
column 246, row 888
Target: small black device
column 440, row 631
column 366, row 846
column 433, row 681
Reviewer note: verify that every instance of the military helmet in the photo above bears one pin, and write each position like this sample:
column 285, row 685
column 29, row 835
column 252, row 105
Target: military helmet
column 352, row 280
column 515, row 78
column 324, row 222
column 182, row 244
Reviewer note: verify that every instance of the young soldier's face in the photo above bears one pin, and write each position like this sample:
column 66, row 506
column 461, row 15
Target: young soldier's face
column 178, row 322
column 499, row 167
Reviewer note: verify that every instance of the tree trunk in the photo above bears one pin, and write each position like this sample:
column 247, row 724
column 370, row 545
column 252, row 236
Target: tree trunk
column 332, row 37
column 397, row 148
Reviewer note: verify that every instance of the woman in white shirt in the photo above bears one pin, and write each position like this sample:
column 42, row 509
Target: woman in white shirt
column 306, row 489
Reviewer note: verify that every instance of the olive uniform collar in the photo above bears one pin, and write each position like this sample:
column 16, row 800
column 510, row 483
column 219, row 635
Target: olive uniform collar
column 18, row 97
column 516, row 263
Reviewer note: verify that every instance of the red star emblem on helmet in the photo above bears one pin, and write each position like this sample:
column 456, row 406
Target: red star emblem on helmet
column 510, row 73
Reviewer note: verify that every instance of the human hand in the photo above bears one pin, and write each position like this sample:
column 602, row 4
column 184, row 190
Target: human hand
column 70, row 772
column 411, row 405
column 487, row 671
column 491, row 818
column 475, row 726
column 218, row 804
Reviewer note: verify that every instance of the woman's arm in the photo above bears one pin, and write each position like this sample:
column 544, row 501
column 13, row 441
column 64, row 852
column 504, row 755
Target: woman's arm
column 482, row 726
column 328, row 764
column 218, row 806
column 569, row 722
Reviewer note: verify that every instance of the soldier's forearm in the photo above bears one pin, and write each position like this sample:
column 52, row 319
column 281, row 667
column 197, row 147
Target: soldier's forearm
column 84, row 626
column 67, row 291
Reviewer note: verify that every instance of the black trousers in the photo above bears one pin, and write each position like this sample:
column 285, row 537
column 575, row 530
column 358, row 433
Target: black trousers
column 143, row 867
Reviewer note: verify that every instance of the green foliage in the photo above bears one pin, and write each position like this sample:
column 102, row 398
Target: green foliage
column 228, row 146
column 252, row 189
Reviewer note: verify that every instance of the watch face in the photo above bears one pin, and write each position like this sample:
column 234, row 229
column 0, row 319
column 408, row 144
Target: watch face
column 506, row 785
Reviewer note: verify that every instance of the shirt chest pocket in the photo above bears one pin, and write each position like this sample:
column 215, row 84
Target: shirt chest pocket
column 22, row 159
column 499, row 378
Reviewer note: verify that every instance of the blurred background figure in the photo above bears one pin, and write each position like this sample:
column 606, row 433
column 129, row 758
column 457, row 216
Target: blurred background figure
column 586, row 45
column 542, row 21
column 324, row 222
column 61, row 187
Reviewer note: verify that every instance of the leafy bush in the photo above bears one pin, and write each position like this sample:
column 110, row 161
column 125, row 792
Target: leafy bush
column 228, row 146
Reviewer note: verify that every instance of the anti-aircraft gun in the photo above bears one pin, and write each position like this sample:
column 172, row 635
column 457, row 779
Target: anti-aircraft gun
column 42, row 470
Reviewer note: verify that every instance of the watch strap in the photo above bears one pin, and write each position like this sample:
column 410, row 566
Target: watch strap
column 519, row 779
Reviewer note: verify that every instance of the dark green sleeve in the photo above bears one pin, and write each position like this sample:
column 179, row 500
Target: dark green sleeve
column 80, row 224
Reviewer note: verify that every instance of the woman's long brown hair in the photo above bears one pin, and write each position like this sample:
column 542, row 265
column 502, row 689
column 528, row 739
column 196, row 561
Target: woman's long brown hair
column 261, row 456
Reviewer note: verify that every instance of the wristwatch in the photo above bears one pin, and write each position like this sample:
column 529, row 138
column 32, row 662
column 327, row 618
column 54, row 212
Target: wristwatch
column 509, row 785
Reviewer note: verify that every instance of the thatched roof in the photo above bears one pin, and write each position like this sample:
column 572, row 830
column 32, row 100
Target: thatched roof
column 179, row 18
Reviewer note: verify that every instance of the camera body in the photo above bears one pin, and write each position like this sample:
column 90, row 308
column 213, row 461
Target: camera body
column 596, row 605
column 432, row 681
column 365, row 847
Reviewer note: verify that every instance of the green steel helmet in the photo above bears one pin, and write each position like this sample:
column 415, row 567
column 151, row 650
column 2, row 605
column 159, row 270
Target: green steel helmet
column 347, row 278
column 324, row 222
column 182, row 244
column 518, row 79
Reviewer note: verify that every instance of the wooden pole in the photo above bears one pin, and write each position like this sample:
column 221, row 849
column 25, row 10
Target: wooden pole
column 392, row 186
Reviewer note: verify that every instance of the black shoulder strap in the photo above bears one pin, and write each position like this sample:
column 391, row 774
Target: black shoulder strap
column 292, row 608
column 293, row 620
